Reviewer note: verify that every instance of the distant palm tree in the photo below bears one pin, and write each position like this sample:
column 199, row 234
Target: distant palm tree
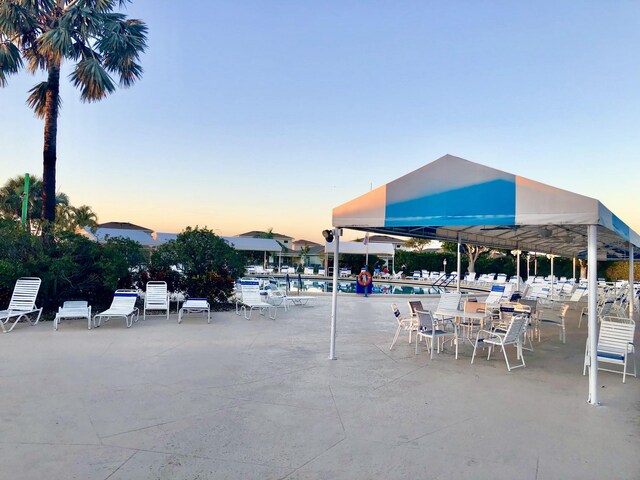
column 11, row 199
column 85, row 217
column 88, row 32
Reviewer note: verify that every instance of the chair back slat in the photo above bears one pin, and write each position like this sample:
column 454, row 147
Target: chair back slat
column 414, row 306
column 124, row 300
column 615, row 334
column 250, row 290
column 25, row 293
column 426, row 321
column 156, row 294
column 449, row 301
column 516, row 328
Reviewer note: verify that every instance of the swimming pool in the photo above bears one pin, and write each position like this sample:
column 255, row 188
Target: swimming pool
column 349, row 286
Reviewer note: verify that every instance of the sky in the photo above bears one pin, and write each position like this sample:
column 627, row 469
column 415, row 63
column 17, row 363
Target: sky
column 268, row 114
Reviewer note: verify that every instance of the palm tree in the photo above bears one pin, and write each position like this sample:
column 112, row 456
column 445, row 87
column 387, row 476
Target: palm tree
column 89, row 33
column 11, row 200
column 84, row 216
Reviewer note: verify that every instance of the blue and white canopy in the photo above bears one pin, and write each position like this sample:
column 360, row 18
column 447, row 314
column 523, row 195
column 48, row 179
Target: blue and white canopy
column 452, row 198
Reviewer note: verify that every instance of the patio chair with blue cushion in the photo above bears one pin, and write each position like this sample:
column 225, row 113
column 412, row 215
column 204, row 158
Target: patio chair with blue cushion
column 22, row 303
column 194, row 305
column 73, row 309
column 123, row 305
column 615, row 345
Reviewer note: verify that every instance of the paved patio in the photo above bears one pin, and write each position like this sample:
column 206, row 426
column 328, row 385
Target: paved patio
column 258, row 399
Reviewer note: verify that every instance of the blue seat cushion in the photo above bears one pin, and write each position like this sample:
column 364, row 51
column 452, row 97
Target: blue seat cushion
column 613, row 356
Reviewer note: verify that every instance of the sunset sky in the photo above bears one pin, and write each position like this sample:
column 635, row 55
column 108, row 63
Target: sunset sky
column 259, row 114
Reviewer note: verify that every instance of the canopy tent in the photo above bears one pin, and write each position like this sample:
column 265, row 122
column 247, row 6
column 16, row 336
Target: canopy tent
column 360, row 248
column 453, row 199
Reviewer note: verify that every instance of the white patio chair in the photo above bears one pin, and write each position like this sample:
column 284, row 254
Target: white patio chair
column 22, row 303
column 513, row 336
column 408, row 324
column 434, row 332
column 615, row 345
column 195, row 305
column 249, row 299
column 73, row 309
column 554, row 317
column 123, row 305
column 156, row 298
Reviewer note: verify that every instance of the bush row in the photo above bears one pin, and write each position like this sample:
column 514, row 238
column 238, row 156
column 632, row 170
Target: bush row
column 198, row 263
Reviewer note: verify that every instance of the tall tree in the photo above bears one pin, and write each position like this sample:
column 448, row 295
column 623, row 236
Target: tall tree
column 472, row 252
column 89, row 33
column 417, row 244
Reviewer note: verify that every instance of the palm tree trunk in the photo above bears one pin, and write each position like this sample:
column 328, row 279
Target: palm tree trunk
column 49, row 152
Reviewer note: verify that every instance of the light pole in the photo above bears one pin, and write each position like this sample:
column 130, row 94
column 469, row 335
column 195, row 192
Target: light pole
column 444, row 265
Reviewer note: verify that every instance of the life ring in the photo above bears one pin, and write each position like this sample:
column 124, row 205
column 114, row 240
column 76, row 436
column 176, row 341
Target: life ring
column 364, row 278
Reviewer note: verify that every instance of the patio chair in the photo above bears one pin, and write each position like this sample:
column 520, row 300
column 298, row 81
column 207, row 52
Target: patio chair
column 433, row 332
column 156, row 298
column 408, row 324
column 512, row 336
column 73, row 309
column 249, row 299
column 195, row 305
column 123, row 305
column 22, row 303
column 495, row 295
column 554, row 317
column 615, row 345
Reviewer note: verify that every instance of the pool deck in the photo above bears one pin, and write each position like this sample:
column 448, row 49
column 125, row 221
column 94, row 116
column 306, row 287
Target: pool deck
column 258, row 399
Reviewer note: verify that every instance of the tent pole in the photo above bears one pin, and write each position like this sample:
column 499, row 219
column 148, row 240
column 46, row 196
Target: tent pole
column 459, row 265
column 552, row 278
column 518, row 268
column 574, row 268
column 592, row 262
column 334, row 295
column 632, row 291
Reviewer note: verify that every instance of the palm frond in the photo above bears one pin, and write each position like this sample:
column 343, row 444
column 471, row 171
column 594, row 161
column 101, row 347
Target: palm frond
column 37, row 99
column 92, row 79
column 10, row 61
column 56, row 43
column 16, row 18
column 121, row 45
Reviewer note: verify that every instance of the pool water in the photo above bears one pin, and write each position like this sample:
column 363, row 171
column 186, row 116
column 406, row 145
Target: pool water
column 350, row 287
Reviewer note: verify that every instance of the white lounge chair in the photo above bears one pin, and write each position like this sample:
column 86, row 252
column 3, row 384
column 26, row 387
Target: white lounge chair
column 513, row 336
column 156, row 298
column 22, row 303
column 195, row 305
column 495, row 296
column 73, row 309
column 249, row 299
column 615, row 345
column 123, row 305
